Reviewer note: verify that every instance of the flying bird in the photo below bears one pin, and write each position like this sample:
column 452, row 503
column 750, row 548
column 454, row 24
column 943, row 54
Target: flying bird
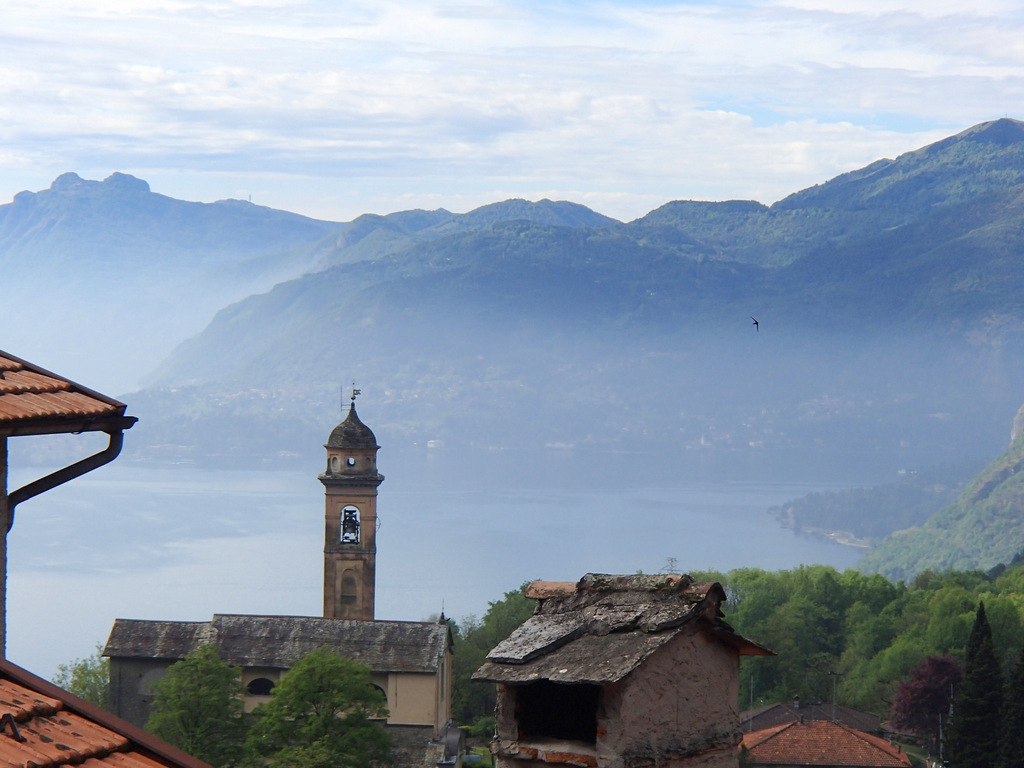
column 757, row 325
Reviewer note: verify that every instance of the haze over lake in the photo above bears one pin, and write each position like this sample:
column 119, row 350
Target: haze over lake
column 177, row 542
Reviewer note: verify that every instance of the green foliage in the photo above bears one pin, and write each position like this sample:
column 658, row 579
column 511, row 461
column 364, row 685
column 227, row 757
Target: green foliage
column 1012, row 742
column 87, row 678
column 198, row 708
column 972, row 739
column 869, row 630
column 473, row 641
column 322, row 715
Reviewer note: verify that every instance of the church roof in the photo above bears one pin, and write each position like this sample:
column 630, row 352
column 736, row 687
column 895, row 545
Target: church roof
column 34, row 401
column 280, row 641
column 44, row 726
column 602, row 628
column 352, row 433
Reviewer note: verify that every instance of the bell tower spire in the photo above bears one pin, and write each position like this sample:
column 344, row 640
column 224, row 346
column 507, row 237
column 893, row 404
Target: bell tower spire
column 350, row 518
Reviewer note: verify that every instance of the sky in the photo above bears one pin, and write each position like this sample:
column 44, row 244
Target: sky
column 333, row 109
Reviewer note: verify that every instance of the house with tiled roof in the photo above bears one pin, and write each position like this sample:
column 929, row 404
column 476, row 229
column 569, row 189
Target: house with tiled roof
column 619, row 672
column 820, row 743
column 410, row 662
column 784, row 712
column 35, row 401
column 41, row 725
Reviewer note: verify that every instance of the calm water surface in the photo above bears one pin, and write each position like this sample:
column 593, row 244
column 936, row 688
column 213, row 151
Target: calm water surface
column 180, row 543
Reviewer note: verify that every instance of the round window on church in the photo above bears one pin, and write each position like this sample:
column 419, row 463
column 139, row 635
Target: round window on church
column 350, row 461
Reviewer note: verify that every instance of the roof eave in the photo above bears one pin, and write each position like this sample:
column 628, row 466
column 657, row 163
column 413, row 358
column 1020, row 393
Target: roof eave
column 113, row 423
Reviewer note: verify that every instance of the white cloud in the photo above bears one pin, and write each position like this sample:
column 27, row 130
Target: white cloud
column 628, row 104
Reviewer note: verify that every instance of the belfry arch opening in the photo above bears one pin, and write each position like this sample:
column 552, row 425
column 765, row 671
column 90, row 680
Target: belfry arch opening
column 350, row 525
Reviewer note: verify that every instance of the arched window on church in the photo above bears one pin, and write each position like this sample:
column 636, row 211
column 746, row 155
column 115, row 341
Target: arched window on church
column 383, row 694
column 349, row 587
column 350, row 525
column 261, row 686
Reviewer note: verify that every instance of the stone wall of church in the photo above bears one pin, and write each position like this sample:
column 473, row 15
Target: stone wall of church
column 131, row 687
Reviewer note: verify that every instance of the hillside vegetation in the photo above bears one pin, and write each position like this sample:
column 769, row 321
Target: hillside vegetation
column 982, row 528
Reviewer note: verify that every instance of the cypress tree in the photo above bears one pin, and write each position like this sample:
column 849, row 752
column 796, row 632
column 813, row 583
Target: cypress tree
column 972, row 740
column 1013, row 717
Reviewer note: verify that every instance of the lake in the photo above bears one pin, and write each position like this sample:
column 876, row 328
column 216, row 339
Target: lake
column 138, row 541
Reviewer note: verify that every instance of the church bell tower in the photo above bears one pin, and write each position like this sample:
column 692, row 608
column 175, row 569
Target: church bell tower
column 350, row 530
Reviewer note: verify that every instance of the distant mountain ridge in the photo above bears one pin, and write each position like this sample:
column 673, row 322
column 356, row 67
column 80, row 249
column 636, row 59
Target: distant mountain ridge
column 888, row 331
column 97, row 255
column 99, row 261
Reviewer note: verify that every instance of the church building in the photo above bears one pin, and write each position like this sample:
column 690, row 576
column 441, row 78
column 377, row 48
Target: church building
column 410, row 661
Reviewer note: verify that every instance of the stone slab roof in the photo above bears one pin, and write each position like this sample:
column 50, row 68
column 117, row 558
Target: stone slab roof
column 603, row 627
column 36, row 401
column 821, row 743
column 280, row 641
column 43, row 726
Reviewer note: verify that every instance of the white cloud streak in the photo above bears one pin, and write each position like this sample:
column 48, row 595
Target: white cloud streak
column 333, row 109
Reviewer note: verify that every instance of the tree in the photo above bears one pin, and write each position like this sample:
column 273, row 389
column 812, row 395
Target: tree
column 87, row 678
column 474, row 639
column 972, row 740
column 322, row 716
column 198, row 707
column 922, row 700
column 1012, row 744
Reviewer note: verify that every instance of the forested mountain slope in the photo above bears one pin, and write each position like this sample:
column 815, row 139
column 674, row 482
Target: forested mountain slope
column 983, row 527
column 890, row 309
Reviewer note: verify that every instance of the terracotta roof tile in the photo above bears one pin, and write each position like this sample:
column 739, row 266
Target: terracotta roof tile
column 781, row 713
column 45, row 727
column 821, row 743
column 34, row 400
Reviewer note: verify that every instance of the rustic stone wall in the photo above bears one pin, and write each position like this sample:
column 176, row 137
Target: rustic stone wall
column 678, row 708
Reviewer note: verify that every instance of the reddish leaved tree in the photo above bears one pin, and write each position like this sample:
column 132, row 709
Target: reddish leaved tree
column 922, row 700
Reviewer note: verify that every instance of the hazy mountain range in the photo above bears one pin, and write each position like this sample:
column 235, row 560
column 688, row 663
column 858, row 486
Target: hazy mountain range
column 888, row 300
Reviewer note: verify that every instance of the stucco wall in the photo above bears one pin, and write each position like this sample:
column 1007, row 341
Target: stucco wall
column 412, row 698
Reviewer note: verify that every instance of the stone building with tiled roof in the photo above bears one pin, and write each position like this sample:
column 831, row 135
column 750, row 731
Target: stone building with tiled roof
column 405, row 657
column 410, row 662
column 820, row 743
column 619, row 672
